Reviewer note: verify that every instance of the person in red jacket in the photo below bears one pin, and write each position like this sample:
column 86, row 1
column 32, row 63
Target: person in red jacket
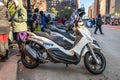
column 59, row 21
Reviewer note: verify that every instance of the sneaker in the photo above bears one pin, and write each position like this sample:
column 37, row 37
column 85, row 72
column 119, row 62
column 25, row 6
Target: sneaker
column 102, row 33
column 95, row 33
column 6, row 55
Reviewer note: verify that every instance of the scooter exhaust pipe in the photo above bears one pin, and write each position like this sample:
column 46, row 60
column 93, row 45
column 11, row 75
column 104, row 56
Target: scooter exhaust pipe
column 33, row 54
column 30, row 52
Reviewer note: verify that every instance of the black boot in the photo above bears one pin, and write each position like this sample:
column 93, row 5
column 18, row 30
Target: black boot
column 6, row 55
column 3, row 59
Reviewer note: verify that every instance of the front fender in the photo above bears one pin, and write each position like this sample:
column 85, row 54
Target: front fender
column 86, row 49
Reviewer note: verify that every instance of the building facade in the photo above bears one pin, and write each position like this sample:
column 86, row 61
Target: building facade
column 46, row 5
column 102, row 7
column 91, row 11
column 96, row 7
column 105, row 7
column 59, row 4
column 115, row 7
column 40, row 4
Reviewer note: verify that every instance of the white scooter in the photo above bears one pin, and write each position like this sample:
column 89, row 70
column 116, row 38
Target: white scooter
column 68, row 36
column 45, row 49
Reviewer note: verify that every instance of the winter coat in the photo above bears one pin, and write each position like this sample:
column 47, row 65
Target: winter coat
column 99, row 21
column 4, row 19
column 20, row 18
column 43, row 18
column 36, row 18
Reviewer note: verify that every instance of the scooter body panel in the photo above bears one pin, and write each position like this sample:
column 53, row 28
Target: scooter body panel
column 59, row 56
column 80, row 46
column 63, row 37
column 49, row 44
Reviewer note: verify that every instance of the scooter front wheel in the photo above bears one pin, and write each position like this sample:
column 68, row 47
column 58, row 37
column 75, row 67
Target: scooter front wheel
column 28, row 62
column 91, row 64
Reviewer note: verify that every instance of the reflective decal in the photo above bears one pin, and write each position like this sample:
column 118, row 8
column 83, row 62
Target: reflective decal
column 47, row 44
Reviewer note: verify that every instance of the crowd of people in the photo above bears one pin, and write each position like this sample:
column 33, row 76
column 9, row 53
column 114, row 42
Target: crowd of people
column 114, row 21
column 17, row 24
column 40, row 20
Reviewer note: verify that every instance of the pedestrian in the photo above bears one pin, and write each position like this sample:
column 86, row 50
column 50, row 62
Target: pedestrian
column 36, row 20
column 4, row 31
column 43, row 20
column 19, row 24
column 48, row 18
column 59, row 20
column 98, row 24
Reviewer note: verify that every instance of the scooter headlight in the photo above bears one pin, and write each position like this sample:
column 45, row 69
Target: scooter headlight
column 94, row 46
column 91, row 46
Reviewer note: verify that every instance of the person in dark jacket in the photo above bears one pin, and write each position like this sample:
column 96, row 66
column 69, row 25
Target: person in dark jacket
column 98, row 24
column 36, row 18
column 43, row 22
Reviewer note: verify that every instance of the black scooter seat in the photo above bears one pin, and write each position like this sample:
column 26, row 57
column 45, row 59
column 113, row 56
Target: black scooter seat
column 57, row 39
column 67, row 35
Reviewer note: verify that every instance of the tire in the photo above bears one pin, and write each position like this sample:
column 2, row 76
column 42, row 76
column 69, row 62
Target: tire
column 89, row 64
column 31, row 65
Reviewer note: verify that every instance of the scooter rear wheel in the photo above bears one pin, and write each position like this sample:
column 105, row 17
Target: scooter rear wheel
column 28, row 62
column 91, row 65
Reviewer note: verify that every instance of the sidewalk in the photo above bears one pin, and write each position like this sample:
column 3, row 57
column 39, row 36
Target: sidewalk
column 8, row 70
column 112, row 27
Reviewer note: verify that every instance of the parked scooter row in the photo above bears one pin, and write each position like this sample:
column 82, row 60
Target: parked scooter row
column 42, row 49
column 45, row 47
column 68, row 36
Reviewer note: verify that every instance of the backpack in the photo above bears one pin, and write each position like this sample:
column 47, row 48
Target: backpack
column 99, row 21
